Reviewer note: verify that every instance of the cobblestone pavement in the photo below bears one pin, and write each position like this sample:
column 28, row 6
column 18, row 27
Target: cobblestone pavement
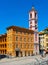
column 30, row 60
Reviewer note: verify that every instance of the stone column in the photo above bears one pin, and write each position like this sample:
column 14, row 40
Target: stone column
column 30, row 53
column 26, row 53
column 19, row 54
column 23, row 53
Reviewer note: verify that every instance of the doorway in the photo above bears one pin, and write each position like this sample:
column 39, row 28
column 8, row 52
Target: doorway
column 17, row 53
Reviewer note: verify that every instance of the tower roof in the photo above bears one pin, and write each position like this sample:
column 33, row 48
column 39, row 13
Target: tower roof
column 45, row 31
column 3, row 35
column 33, row 9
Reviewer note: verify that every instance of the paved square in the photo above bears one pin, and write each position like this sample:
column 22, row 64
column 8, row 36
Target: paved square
column 30, row 60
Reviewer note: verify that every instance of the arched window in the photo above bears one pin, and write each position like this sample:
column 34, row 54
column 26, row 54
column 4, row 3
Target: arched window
column 31, row 22
column 16, row 45
column 35, row 15
column 35, row 36
column 30, row 26
column 16, row 38
column 30, row 15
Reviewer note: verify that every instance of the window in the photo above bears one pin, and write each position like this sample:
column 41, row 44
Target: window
column 35, row 26
column 24, row 39
column 30, row 15
column 20, row 38
column 21, row 45
column 5, row 45
column 24, row 33
column 9, row 45
column 5, row 51
column 24, row 45
column 47, row 48
column 5, row 39
column 35, row 15
column 35, row 22
column 31, row 45
column 46, row 39
column 31, row 22
column 35, row 36
column 31, row 39
column 30, row 26
column 47, row 44
column 28, row 39
column 28, row 45
column 9, row 38
column 0, row 40
column 16, row 31
column 16, row 38
column 16, row 45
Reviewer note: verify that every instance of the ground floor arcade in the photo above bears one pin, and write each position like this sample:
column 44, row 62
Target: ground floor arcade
column 23, row 53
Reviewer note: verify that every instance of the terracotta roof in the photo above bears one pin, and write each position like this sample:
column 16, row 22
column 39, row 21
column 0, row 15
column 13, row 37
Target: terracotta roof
column 3, row 35
column 20, row 29
column 46, row 29
column 40, row 33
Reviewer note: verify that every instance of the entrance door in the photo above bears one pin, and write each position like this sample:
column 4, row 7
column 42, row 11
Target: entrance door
column 17, row 53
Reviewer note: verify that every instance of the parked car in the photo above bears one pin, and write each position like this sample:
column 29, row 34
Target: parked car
column 2, row 56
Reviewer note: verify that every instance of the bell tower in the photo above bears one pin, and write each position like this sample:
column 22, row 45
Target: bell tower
column 33, row 25
column 33, row 20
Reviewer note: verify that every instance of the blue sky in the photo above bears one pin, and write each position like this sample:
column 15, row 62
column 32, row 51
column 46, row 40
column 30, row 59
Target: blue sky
column 15, row 12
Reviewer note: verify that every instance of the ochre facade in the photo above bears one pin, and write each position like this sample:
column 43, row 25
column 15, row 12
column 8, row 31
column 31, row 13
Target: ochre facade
column 17, row 42
column 43, row 40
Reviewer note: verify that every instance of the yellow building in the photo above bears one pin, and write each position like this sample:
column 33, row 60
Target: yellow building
column 3, row 44
column 17, row 42
column 43, row 40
